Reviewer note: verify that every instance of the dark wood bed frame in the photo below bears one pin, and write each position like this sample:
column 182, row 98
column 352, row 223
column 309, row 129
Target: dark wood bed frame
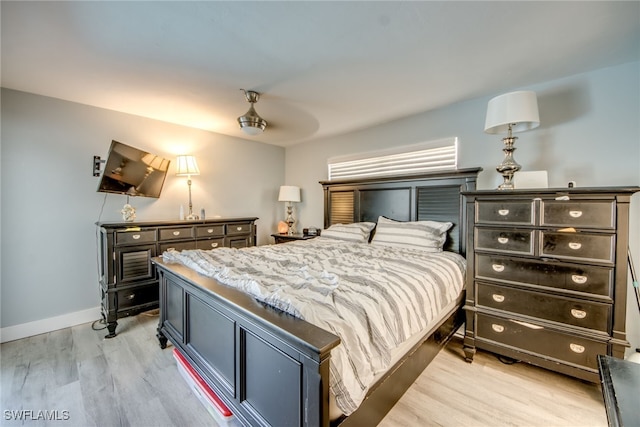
column 272, row 369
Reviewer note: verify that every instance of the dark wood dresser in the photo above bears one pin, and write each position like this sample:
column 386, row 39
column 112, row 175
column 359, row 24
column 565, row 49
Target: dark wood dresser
column 128, row 278
column 547, row 277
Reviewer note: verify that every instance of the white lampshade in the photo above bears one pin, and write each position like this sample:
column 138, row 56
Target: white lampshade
column 289, row 193
column 519, row 109
column 186, row 166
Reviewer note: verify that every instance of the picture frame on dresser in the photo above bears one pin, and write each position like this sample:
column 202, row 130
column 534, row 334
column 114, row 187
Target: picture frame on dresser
column 547, row 276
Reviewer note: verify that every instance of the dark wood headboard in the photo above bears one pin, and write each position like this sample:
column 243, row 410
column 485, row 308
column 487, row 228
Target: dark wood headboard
column 434, row 196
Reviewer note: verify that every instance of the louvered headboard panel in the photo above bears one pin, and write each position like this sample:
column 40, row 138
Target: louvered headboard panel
column 433, row 197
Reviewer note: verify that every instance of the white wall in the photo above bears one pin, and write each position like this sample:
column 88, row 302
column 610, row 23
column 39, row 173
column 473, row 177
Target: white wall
column 589, row 133
column 50, row 204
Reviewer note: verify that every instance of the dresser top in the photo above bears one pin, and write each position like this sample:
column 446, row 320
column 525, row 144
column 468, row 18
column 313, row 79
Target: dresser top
column 556, row 191
column 173, row 222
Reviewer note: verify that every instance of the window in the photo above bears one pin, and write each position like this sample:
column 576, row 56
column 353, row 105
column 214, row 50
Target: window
column 412, row 159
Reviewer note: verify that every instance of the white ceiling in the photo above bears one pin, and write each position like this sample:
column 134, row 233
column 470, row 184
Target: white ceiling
column 323, row 68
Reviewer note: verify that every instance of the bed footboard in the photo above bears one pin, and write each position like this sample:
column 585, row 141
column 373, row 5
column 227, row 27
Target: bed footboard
column 268, row 367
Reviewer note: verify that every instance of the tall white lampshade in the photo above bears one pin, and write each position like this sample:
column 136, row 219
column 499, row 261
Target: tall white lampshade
column 511, row 112
column 187, row 166
column 289, row 194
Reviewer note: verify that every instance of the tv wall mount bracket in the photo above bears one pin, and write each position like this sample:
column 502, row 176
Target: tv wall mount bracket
column 96, row 165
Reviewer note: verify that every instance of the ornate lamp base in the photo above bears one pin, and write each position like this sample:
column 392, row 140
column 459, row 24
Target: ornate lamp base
column 509, row 166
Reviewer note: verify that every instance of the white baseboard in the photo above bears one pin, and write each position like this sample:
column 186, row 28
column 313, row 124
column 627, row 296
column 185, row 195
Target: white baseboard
column 24, row 330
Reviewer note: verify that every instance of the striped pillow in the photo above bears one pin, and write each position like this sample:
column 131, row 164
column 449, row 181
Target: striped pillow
column 356, row 232
column 425, row 235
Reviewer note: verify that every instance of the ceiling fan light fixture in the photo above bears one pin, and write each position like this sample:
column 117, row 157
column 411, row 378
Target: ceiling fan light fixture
column 251, row 123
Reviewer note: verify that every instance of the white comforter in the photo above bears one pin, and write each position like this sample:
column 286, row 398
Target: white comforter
column 372, row 297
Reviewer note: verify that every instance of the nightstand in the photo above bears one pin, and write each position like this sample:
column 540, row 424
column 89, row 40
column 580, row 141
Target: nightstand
column 284, row 238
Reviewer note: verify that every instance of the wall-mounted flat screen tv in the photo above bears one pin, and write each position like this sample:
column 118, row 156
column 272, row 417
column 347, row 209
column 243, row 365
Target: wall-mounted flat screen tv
column 133, row 172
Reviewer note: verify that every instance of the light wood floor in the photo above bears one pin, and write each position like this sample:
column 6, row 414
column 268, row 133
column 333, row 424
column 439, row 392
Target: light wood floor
column 129, row 381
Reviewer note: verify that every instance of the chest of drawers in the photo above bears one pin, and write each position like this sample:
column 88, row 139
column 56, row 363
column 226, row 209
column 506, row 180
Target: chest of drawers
column 128, row 279
column 546, row 276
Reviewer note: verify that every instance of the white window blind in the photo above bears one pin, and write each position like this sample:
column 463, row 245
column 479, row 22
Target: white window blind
column 412, row 159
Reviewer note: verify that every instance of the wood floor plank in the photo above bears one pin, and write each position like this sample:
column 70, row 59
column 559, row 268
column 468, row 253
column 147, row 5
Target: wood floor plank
column 128, row 381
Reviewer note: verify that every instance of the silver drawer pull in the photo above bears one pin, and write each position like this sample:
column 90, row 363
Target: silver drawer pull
column 576, row 348
column 176, row 233
column 503, row 240
column 239, row 228
column 498, row 298
column 497, row 328
column 528, row 325
column 578, row 314
column 503, row 212
column 575, row 245
column 575, row 214
column 130, row 297
column 135, row 236
column 499, row 268
column 214, row 245
column 209, row 230
column 580, row 280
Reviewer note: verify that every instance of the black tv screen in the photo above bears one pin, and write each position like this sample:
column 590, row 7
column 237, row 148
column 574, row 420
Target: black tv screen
column 133, row 172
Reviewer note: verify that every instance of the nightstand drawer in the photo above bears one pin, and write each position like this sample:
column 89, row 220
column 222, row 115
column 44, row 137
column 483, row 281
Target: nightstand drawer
column 579, row 246
column 178, row 246
column 592, row 214
column 238, row 228
column 133, row 237
column 539, row 340
column 584, row 314
column 585, row 279
column 512, row 212
column 520, row 242
column 176, row 233
column 210, row 244
column 210, row 230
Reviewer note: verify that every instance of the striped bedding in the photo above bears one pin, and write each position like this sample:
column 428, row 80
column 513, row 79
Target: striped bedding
column 372, row 297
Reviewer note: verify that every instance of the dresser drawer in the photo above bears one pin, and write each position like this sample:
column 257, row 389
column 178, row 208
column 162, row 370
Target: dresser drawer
column 210, row 243
column 579, row 246
column 238, row 228
column 132, row 237
column 520, row 242
column 539, row 340
column 176, row 233
column 587, row 279
column 512, row 212
column 136, row 297
column 210, row 230
column 178, row 246
column 591, row 214
column 584, row 314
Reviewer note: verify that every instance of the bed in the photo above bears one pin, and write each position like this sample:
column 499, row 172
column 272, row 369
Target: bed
column 268, row 365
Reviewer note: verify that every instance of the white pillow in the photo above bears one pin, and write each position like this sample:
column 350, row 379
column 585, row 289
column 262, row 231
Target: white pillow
column 355, row 232
column 425, row 235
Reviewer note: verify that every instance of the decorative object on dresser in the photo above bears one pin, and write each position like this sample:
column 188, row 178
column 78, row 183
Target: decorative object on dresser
column 511, row 112
column 547, row 277
column 289, row 194
column 128, row 279
column 284, row 238
column 251, row 123
column 188, row 166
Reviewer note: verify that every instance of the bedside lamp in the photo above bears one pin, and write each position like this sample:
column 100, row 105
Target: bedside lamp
column 511, row 112
column 289, row 194
column 187, row 166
